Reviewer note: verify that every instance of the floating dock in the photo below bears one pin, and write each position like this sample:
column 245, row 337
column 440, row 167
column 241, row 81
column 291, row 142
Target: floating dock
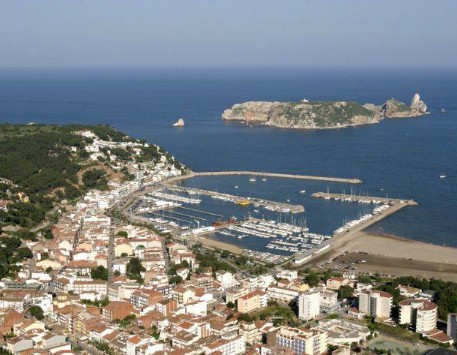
column 244, row 201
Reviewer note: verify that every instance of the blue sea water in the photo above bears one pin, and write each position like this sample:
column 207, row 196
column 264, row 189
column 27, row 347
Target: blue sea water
column 401, row 158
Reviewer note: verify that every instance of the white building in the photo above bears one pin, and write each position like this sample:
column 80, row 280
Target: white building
column 226, row 346
column 287, row 275
column 342, row 332
column 226, row 279
column 375, row 303
column 277, row 293
column 328, row 301
column 302, row 341
column 309, row 305
column 420, row 313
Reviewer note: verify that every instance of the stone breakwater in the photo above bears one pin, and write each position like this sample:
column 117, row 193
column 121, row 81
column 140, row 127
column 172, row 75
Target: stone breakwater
column 321, row 114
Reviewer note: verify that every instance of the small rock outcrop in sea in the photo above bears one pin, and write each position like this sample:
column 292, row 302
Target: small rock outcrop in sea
column 396, row 109
column 321, row 114
column 180, row 123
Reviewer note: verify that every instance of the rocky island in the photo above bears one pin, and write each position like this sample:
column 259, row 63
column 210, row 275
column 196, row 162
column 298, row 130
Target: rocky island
column 321, row 114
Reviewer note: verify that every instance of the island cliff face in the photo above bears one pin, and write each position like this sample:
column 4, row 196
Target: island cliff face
column 320, row 114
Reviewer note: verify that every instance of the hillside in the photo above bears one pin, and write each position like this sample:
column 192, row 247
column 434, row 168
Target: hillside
column 43, row 165
column 320, row 114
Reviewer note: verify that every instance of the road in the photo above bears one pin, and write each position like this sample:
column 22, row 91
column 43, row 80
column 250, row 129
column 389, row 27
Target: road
column 110, row 260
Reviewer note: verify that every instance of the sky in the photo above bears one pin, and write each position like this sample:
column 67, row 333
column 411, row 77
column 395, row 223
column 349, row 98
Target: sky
column 227, row 33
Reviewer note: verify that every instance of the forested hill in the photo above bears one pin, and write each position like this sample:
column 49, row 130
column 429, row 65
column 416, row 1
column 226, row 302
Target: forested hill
column 41, row 165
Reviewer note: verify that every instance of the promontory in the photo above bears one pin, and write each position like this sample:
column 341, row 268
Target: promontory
column 321, row 114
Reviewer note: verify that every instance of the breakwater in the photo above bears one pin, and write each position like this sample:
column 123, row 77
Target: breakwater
column 266, row 174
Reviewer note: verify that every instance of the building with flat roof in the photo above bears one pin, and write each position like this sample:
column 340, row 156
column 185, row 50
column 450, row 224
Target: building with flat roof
column 302, row 341
column 340, row 331
column 309, row 305
column 375, row 303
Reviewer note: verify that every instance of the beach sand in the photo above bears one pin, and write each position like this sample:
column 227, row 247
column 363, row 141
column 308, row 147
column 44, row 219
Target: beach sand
column 392, row 255
column 209, row 241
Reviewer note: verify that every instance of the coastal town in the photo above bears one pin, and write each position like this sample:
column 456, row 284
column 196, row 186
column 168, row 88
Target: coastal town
column 103, row 282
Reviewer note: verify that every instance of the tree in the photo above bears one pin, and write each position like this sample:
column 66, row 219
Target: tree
column 122, row 234
column 175, row 279
column 95, row 179
column 312, row 279
column 345, row 291
column 24, row 253
column 245, row 317
column 37, row 312
column 134, row 268
column 99, row 273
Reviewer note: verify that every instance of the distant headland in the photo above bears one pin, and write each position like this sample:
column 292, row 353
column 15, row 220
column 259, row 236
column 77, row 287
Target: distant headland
column 321, row 114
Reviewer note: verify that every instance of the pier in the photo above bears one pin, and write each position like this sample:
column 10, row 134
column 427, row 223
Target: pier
column 266, row 174
column 388, row 207
column 267, row 204
column 362, row 199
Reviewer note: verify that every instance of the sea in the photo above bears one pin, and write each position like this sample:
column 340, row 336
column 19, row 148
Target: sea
column 401, row 158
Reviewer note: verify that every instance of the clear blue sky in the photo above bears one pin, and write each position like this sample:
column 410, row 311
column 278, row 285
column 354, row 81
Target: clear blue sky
column 200, row 33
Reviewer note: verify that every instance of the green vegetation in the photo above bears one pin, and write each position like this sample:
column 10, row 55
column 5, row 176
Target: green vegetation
column 43, row 164
column 324, row 113
column 210, row 260
column 95, row 179
column 99, row 273
column 173, row 267
column 104, row 348
column 176, row 279
column 134, row 269
column 122, row 234
column 100, row 303
column 280, row 315
column 345, row 292
column 126, row 322
column 11, row 253
column 36, row 312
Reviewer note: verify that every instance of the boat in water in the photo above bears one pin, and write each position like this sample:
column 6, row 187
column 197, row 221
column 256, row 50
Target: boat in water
column 236, row 186
column 252, row 179
column 243, row 202
column 442, row 176
column 264, row 179
column 303, row 192
column 221, row 223
column 179, row 123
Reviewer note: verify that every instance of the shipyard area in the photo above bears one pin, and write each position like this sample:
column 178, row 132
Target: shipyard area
column 270, row 230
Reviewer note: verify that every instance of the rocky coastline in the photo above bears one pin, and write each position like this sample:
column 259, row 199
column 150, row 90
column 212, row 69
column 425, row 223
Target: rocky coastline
column 321, row 114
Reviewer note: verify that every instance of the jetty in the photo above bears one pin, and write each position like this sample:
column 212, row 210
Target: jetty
column 244, row 201
column 362, row 199
column 263, row 174
column 353, row 229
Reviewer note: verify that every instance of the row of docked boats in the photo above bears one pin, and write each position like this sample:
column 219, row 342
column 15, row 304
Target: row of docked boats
column 173, row 197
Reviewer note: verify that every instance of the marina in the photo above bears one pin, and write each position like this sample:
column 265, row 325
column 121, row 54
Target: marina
column 243, row 201
column 261, row 227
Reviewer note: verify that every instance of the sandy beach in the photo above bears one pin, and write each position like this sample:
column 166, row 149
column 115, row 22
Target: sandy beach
column 209, row 241
column 392, row 255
